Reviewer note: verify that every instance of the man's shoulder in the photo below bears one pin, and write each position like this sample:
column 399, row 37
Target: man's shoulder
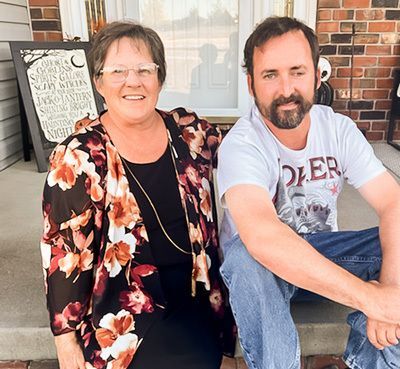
column 327, row 120
column 247, row 130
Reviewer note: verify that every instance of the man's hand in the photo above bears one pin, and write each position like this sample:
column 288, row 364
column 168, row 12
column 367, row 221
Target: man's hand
column 383, row 304
column 69, row 352
column 381, row 334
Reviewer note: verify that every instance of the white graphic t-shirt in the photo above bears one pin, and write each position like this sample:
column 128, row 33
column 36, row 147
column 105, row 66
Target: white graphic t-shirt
column 303, row 184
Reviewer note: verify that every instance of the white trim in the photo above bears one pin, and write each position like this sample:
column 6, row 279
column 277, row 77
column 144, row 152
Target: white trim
column 306, row 11
column 133, row 11
column 73, row 19
column 122, row 10
column 114, row 10
column 246, row 25
column 29, row 18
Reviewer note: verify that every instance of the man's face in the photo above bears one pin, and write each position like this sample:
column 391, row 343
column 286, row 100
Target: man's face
column 284, row 79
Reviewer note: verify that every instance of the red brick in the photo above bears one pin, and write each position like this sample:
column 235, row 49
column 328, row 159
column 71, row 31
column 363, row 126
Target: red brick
column 51, row 13
column 346, row 72
column 342, row 111
column 43, row 2
column 375, row 94
column 377, row 72
column 339, row 82
column 364, row 125
column 396, row 136
column 36, row 13
column 39, row 36
column 343, row 14
column 54, row 36
column 318, row 362
column 382, row 26
column 328, row 4
column 379, row 50
column 366, row 38
column 365, row 61
column 339, row 105
column 356, row 3
column 368, row 14
column 324, row 15
column 379, row 126
column 375, row 135
column 13, row 364
column 363, row 83
column 383, row 104
column 343, row 93
column 396, row 50
column 384, row 83
column 339, row 61
column 392, row 61
column 348, row 26
column 390, row 38
column 323, row 39
column 327, row 27
column 353, row 115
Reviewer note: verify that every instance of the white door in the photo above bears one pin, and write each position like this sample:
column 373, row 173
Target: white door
column 204, row 41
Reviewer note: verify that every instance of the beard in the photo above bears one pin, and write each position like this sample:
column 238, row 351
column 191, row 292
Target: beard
column 285, row 119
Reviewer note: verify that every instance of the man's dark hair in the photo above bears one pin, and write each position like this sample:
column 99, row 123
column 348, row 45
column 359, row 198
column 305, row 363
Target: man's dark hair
column 273, row 27
column 135, row 32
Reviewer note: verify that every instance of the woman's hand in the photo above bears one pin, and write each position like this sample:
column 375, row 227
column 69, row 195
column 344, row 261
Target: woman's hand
column 69, row 352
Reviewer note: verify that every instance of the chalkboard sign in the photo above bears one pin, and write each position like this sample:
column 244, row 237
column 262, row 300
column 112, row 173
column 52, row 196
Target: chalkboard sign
column 56, row 90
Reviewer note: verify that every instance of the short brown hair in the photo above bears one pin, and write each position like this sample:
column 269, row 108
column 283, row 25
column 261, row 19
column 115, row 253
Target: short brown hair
column 117, row 30
column 273, row 27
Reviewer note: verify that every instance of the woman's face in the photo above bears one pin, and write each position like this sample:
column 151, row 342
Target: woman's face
column 133, row 100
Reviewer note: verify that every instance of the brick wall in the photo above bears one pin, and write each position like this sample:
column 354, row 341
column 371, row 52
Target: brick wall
column 376, row 55
column 46, row 23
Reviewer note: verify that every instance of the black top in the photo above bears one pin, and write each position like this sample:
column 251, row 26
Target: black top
column 184, row 337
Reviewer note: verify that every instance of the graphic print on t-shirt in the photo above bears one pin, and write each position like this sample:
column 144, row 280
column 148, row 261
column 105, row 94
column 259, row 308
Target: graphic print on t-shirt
column 306, row 195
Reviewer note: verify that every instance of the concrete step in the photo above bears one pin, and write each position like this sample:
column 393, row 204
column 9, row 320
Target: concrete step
column 24, row 332
column 322, row 330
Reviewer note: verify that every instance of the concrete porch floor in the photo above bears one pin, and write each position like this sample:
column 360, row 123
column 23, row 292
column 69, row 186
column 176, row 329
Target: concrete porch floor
column 24, row 332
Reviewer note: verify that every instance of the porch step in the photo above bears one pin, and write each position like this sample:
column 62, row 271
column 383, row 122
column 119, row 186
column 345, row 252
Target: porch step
column 321, row 327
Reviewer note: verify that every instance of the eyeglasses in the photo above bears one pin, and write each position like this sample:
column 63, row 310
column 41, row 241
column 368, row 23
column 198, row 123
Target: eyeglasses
column 119, row 73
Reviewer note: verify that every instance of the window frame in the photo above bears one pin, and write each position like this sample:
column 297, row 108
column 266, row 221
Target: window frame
column 251, row 12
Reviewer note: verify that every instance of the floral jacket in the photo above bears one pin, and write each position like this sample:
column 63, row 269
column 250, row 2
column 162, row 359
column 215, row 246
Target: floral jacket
column 100, row 276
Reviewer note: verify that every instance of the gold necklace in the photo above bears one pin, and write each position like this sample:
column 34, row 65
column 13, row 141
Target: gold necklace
column 199, row 262
column 154, row 210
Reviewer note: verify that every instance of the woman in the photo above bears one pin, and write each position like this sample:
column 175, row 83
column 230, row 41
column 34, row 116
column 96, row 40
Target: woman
column 129, row 248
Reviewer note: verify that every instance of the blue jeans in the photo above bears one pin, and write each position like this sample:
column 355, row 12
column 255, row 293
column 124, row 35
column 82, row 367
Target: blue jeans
column 261, row 302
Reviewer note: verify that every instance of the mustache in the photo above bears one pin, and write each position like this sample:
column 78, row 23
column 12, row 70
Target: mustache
column 293, row 98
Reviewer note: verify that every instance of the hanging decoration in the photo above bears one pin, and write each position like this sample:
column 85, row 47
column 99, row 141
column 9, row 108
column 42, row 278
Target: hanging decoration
column 96, row 16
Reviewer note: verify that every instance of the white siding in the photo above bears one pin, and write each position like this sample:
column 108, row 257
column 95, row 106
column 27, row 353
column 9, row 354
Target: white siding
column 14, row 26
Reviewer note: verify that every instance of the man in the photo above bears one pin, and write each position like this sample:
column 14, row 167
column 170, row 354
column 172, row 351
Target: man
column 281, row 168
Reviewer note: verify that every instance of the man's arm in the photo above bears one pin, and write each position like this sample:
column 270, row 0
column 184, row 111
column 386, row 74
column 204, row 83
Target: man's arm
column 283, row 252
column 383, row 194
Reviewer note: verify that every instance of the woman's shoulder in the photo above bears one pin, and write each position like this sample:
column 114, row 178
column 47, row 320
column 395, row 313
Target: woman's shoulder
column 182, row 116
column 85, row 130
column 89, row 136
column 188, row 120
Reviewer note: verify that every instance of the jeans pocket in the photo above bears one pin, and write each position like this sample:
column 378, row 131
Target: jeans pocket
column 358, row 322
column 226, row 247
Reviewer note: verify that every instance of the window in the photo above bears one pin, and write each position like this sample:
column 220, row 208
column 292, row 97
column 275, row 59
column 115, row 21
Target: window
column 203, row 41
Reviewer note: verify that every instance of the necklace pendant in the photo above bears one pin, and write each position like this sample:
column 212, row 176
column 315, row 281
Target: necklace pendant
column 202, row 270
column 194, row 274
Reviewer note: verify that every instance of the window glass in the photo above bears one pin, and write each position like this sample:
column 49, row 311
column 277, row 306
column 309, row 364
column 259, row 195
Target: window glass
column 201, row 46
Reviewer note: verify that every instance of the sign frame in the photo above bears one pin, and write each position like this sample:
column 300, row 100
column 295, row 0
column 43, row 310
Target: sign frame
column 42, row 147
